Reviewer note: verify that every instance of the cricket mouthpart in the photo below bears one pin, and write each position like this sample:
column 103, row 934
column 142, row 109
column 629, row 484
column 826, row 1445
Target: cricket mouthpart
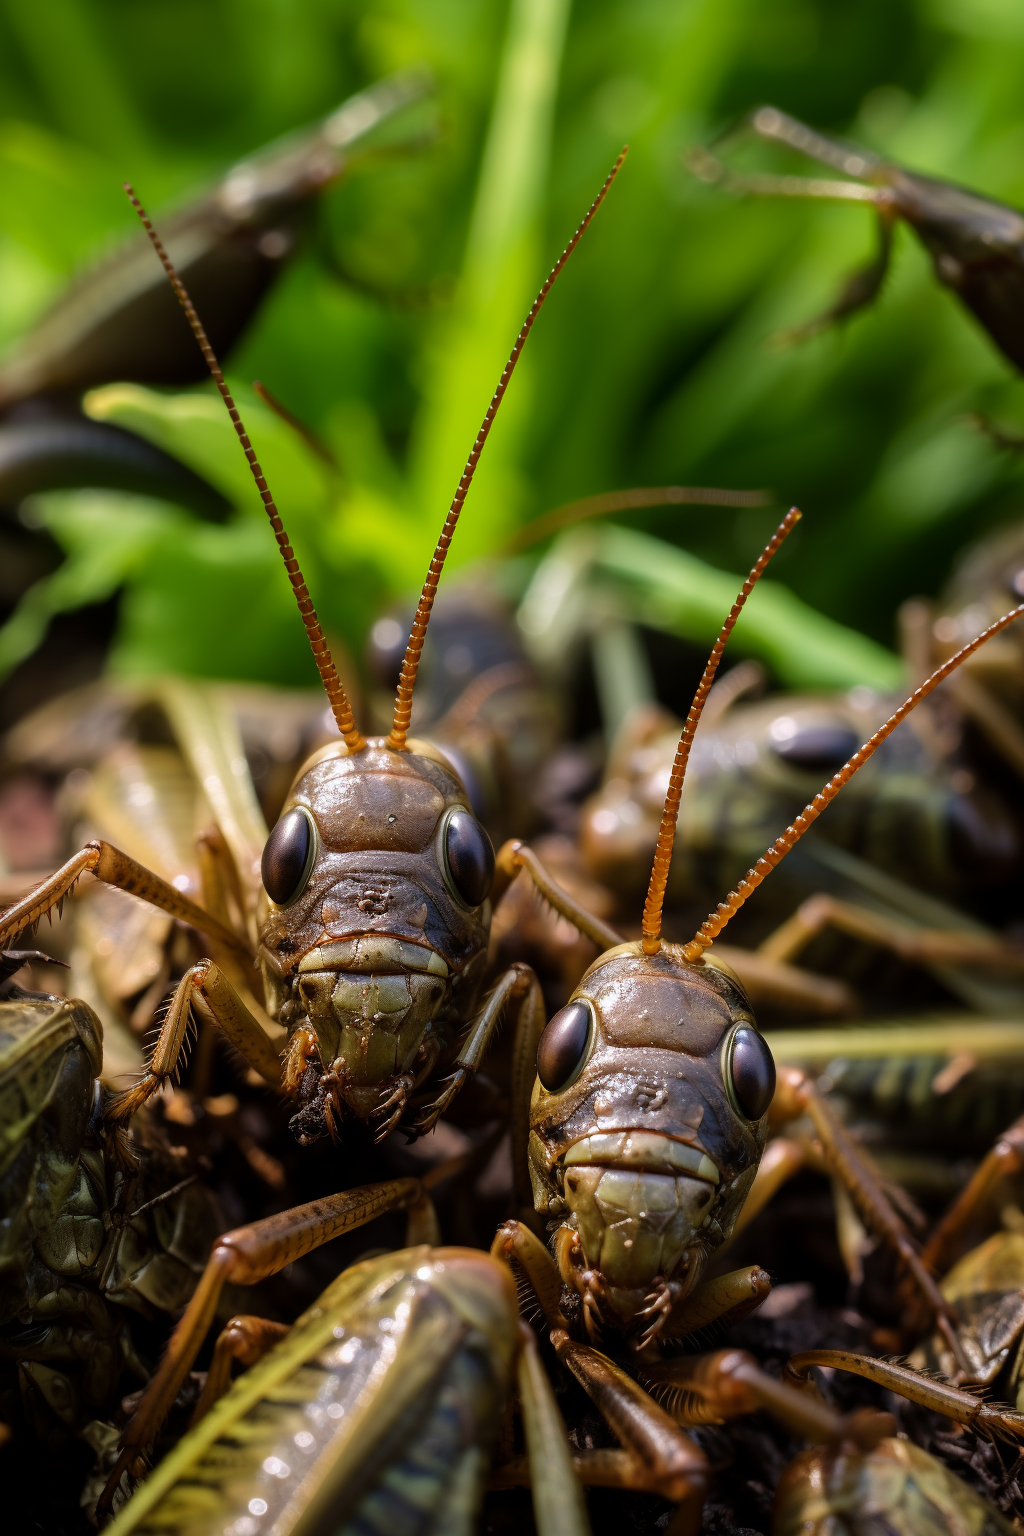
column 373, row 953
column 638, row 1200
column 370, row 1001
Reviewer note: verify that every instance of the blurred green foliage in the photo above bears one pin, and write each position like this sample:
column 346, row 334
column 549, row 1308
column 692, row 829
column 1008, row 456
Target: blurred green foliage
column 653, row 363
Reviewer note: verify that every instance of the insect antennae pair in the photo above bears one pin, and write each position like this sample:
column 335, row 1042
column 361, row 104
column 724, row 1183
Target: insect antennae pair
column 340, row 706
column 727, row 909
column 342, row 709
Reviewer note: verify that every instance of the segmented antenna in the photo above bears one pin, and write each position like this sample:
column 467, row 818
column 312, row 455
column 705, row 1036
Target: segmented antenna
column 716, row 921
column 342, row 710
column 651, row 928
column 410, row 664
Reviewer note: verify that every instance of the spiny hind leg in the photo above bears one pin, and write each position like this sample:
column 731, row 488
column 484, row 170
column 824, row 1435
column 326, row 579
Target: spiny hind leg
column 516, row 1245
column 206, row 990
column 965, row 1407
column 513, row 857
column 118, row 869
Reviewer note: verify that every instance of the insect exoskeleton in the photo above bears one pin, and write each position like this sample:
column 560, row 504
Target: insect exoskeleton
column 650, row 1161
column 373, row 926
column 824, row 1490
column 99, row 1232
column 385, row 1396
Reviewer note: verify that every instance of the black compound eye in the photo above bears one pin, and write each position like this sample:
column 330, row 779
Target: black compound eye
column 751, row 1073
column 468, row 856
column 814, row 748
column 564, row 1046
column 288, row 857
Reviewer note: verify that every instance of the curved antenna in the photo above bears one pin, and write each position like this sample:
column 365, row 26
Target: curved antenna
column 716, row 921
column 410, row 664
column 607, row 502
column 651, row 928
column 340, row 706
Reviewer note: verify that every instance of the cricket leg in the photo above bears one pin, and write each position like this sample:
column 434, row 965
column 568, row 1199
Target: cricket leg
column 710, row 1389
column 797, row 1094
column 708, row 167
column 965, row 1407
column 918, row 946
column 722, row 1299
column 779, row 128
column 514, row 856
column 224, row 897
column 244, row 1257
column 208, row 735
column 517, row 985
column 667, row 1460
column 515, row 1245
column 244, row 1338
column 218, row 876
column 605, row 1468
column 555, row 1473
column 786, row 988
column 777, row 984
column 862, row 286
column 1004, row 1159
column 204, row 988
column 860, row 289
column 247, row 1338
column 530, row 1023
column 115, row 868
column 783, row 1158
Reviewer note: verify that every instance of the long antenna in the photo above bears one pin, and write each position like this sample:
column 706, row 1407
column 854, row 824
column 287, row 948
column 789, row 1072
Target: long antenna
column 340, row 706
column 607, row 502
column 410, row 664
column 716, row 921
column 651, row 928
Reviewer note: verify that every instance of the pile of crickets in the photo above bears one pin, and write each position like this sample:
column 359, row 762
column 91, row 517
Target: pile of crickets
column 389, row 1143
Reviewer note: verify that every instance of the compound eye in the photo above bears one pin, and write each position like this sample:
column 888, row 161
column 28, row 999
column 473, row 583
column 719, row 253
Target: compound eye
column 564, row 1046
column 468, row 857
column 813, row 748
column 288, row 857
column 751, row 1073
